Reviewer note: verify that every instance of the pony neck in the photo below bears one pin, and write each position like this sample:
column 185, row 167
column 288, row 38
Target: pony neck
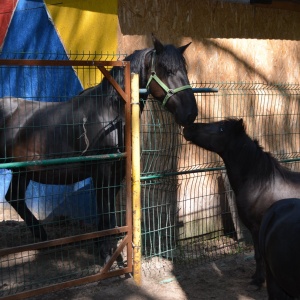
column 248, row 163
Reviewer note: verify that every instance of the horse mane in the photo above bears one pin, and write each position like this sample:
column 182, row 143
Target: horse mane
column 170, row 60
column 111, row 97
column 137, row 63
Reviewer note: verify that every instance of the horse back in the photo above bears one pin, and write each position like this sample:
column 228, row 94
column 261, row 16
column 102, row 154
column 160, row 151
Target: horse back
column 279, row 243
column 32, row 130
column 14, row 115
column 8, row 106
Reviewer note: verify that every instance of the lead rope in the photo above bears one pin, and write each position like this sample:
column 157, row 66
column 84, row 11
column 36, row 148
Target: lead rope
column 87, row 142
column 115, row 124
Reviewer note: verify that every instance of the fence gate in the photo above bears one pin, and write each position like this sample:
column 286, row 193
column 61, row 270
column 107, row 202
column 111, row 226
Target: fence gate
column 68, row 213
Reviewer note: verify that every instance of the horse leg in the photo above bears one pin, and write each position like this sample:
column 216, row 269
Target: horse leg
column 259, row 276
column 275, row 292
column 16, row 198
column 106, row 208
column 107, row 219
column 109, row 178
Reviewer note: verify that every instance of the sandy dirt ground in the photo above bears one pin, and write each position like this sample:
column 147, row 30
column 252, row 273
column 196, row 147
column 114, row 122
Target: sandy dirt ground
column 227, row 278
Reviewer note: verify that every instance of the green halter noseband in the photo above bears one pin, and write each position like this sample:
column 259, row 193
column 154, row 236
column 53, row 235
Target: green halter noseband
column 170, row 92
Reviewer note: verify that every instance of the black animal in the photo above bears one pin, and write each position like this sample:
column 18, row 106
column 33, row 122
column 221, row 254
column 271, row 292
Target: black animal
column 279, row 244
column 257, row 178
column 90, row 123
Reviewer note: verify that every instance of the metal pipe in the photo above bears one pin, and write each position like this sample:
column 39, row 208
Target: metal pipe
column 136, row 184
column 57, row 161
column 128, row 143
column 195, row 90
column 164, row 175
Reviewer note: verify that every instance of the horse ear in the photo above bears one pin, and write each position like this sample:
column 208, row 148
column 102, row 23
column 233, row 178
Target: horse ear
column 241, row 125
column 182, row 48
column 158, row 46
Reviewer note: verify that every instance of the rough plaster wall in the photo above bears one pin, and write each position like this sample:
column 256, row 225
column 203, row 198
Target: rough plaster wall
column 231, row 42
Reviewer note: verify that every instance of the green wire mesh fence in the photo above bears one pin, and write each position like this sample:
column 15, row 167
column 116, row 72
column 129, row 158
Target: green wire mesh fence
column 189, row 212
column 68, row 212
column 188, row 209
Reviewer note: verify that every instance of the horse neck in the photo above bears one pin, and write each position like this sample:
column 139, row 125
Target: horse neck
column 247, row 163
column 138, row 66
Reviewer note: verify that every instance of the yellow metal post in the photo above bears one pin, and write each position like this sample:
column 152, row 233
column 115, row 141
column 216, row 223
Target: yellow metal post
column 136, row 184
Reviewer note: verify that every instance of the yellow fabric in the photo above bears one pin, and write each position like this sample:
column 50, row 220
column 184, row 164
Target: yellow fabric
column 88, row 26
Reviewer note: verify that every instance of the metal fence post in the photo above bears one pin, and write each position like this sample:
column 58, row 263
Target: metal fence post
column 136, row 185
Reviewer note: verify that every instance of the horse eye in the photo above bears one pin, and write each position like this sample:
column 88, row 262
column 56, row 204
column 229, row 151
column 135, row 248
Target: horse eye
column 221, row 129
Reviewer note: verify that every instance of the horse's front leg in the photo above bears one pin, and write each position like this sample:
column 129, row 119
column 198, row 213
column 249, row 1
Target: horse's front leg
column 107, row 187
column 16, row 198
column 107, row 220
column 258, row 277
column 106, row 208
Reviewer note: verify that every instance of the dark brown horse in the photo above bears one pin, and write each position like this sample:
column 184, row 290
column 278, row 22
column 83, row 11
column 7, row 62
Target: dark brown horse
column 90, row 123
column 279, row 245
column 257, row 179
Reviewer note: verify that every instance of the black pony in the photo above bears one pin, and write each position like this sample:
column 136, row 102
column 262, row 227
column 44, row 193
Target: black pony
column 279, row 245
column 257, row 179
column 90, row 123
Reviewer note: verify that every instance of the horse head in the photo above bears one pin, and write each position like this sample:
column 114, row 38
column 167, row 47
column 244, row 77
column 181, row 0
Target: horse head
column 215, row 136
column 167, row 81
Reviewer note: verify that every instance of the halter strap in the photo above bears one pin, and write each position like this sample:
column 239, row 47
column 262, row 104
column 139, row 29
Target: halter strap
column 169, row 92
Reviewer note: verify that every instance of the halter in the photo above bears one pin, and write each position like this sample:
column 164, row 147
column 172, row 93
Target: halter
column 170, row 92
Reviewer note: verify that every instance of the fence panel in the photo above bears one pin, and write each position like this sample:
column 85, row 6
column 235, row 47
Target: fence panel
column 189, row 212
column 69, row 211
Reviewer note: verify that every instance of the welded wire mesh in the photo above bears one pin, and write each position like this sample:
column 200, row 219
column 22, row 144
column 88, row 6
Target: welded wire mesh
column 197, row 211
column 187, row 208
column 66, row 205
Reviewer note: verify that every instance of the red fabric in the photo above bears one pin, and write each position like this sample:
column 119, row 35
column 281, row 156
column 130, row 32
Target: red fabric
column 6, row 10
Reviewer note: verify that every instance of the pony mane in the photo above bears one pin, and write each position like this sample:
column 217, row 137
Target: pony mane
column 237, row 126
column 263, row 163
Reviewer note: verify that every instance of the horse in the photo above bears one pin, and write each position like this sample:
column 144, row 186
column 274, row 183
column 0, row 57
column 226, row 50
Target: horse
column 279, row 245
column 256, row 177
column 90, row 123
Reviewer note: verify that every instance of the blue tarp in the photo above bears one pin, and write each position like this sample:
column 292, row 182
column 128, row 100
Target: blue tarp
column 32, row 35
